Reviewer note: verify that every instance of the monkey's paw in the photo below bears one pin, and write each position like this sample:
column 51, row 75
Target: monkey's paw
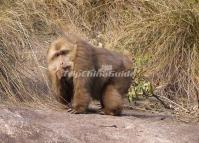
column 72, row 111
column 60, row 73
column 77, row 110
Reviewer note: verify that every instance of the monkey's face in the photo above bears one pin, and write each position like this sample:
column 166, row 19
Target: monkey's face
column 61, row 56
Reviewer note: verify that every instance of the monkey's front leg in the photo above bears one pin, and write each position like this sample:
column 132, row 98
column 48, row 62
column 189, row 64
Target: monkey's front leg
column 81, row 97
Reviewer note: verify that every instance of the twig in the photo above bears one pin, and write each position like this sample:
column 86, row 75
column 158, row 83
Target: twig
column 161, row 101
column 170, row 101
column 42, row 67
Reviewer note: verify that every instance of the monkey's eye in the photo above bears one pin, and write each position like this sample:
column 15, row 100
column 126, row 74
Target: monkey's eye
column 57, row 54
column 64, row 52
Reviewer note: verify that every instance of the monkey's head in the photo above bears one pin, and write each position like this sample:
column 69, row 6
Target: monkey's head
column 60, row 57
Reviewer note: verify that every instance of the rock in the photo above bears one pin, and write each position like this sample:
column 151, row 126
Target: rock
column 27, row 125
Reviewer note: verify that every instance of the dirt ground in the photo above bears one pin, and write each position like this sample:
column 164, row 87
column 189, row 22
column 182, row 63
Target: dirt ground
column 27, row 125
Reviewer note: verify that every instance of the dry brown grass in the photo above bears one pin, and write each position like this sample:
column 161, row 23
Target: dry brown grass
column 162, row 37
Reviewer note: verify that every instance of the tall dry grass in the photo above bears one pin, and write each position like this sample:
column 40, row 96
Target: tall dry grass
column 166, row 35
column 161, row 35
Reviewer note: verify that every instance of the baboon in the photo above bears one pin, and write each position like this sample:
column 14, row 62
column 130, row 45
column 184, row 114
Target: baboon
column 70, row 53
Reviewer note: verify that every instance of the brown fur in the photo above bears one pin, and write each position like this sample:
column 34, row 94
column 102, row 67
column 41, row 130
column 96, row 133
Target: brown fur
column 81, row 56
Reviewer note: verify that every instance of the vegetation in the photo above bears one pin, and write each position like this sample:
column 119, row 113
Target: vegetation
column 162, row 37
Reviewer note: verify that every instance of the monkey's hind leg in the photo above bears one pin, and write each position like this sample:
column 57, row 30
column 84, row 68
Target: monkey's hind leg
column 112, row 101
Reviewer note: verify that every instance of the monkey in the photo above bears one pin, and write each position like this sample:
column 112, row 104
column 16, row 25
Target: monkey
column 72, row 54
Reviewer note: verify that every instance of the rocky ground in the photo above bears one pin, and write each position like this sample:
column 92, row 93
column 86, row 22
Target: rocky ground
column 27, row 125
